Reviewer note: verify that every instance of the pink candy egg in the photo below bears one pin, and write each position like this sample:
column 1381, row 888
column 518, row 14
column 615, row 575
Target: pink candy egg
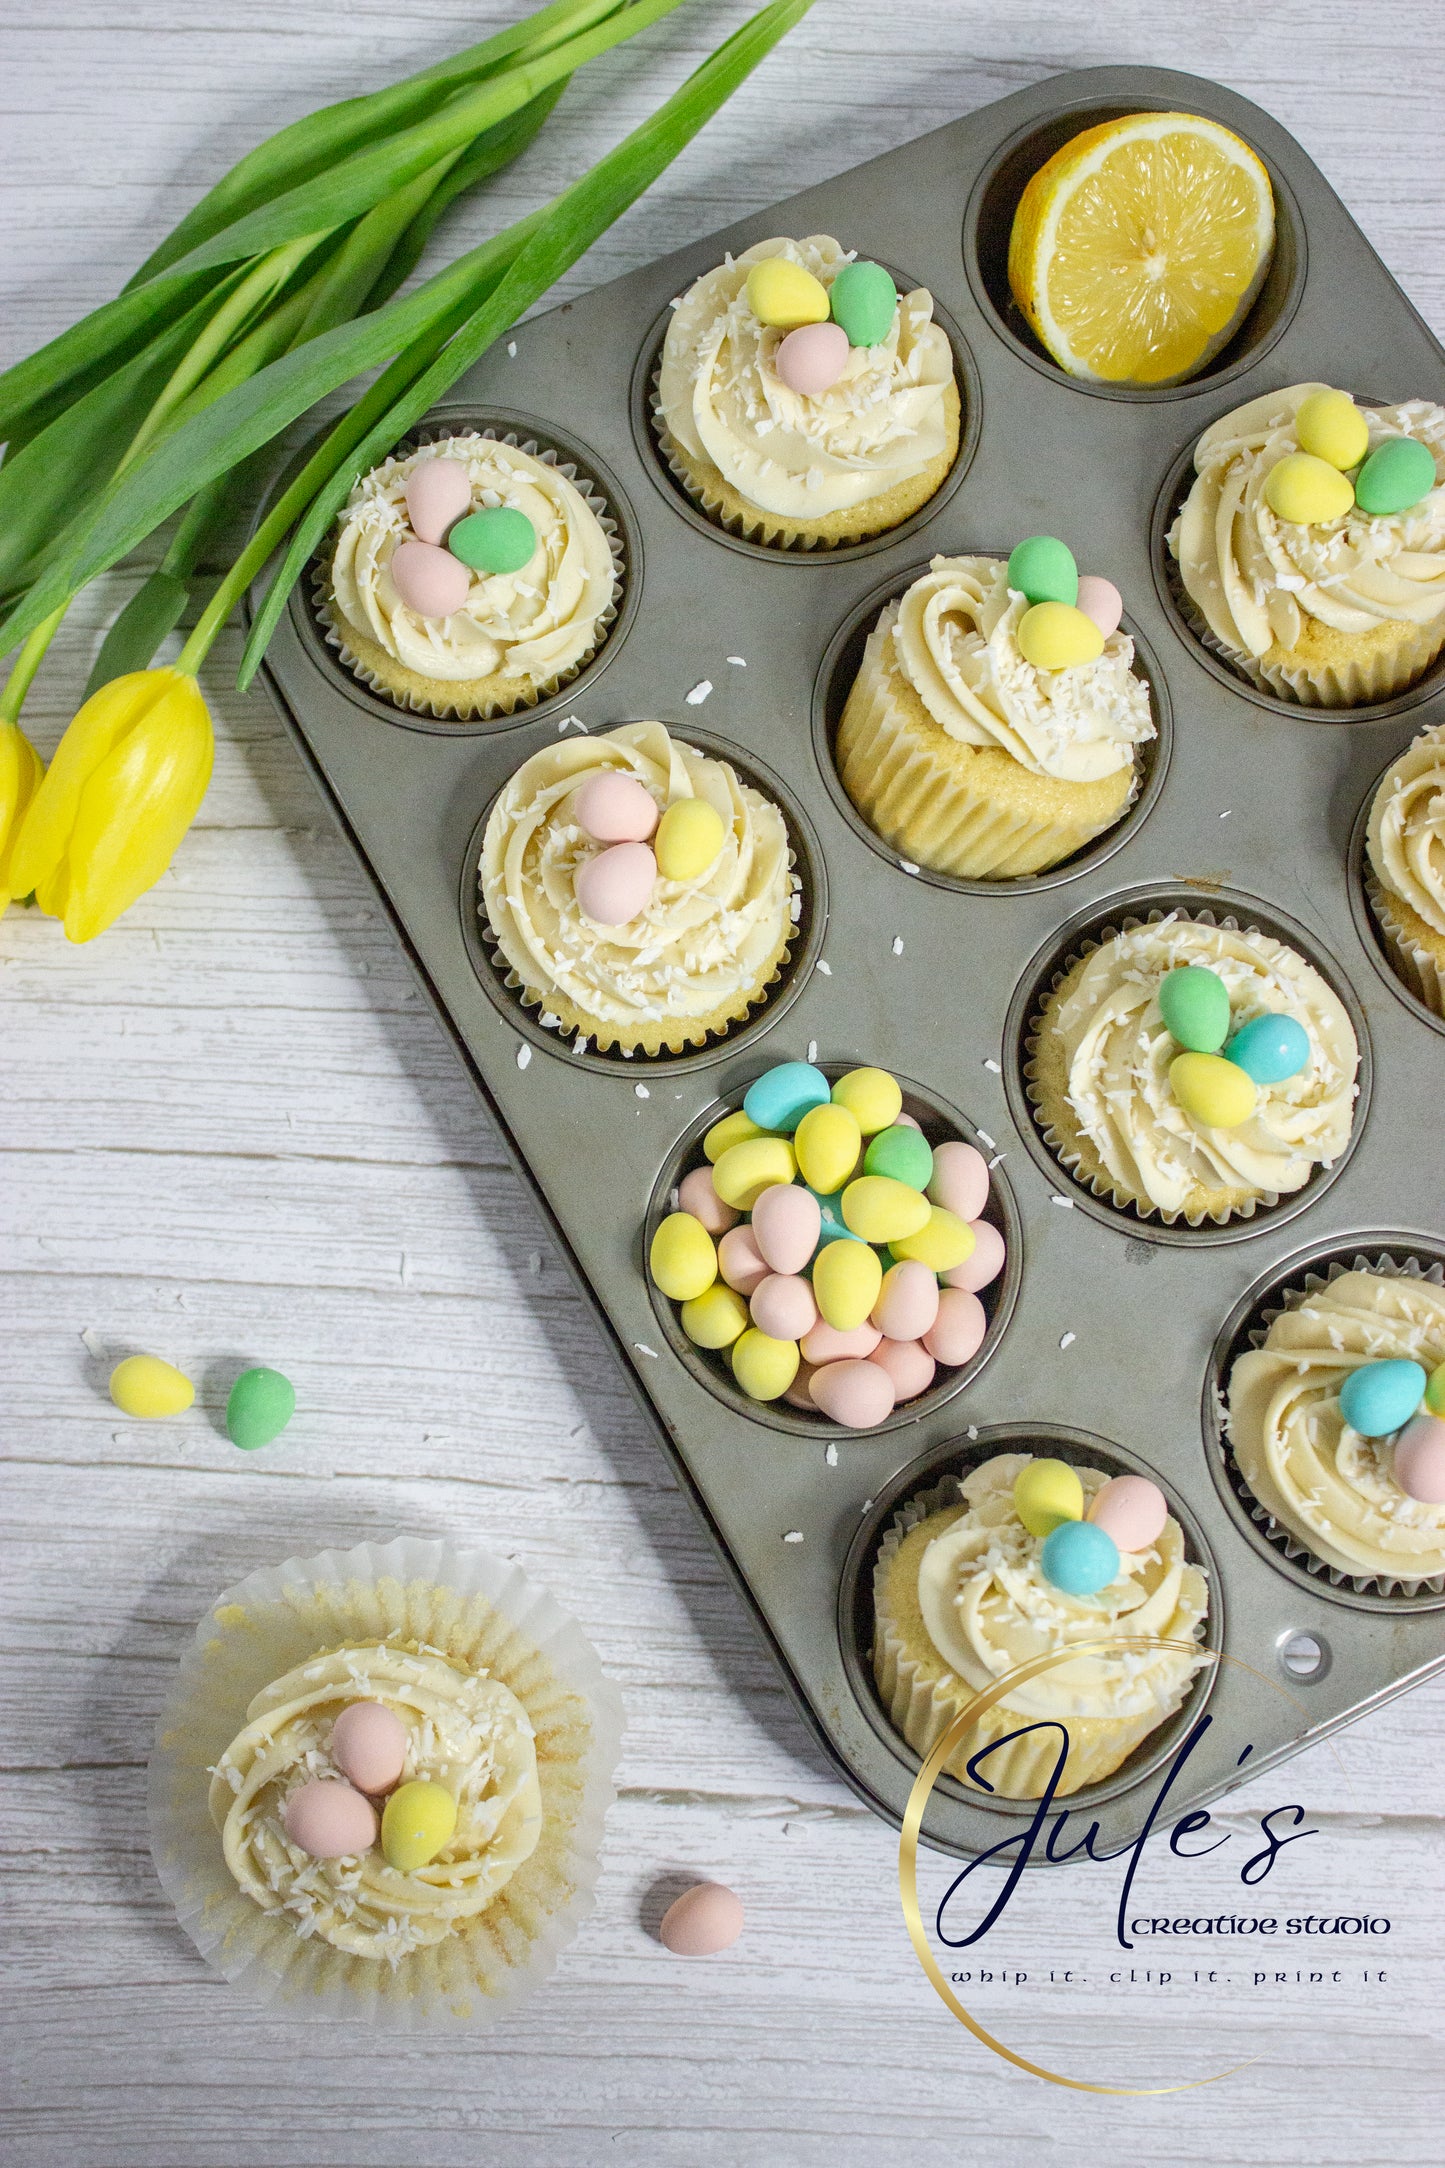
column 798, row 1394
column 615, row 885
column 438, row 493
column 825, row 1344
column 856, row 1394
column 908, row 1301
column 905, row 1121
column 615, row 808
column 812, row 358
column 960, row 1179
column 329, row 1819
column 1100, row 600
column 782, row 1306
column 1420, row 1459
column 740, row 1261
column 696, row 1194
column 786, row 1224
column 703, row 1920
column 1132, row 1510
column 984, row 1265
column 429, row 580
column 958, row 1330
column 908, row 1363
column 368, row 1745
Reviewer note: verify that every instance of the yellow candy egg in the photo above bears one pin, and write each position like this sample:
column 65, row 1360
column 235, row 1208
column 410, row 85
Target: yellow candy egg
column 1330, row 425
column 882, row 1210
column 1056, row 636
column 688, row 839
column 871, row 1096
column 683, row 1258
column 764, row 1367
column 1214, row 1091
column 1047, row 1492
column 716, row 1317
column 753, row 1165
column 784, row 294
column 732, row 1129
column 145, row 1386
column 847, row 1277
column 943, row 1241
column 1306, row 491
column 827, row 1141
column 1435, row 1390
column 416, row 1822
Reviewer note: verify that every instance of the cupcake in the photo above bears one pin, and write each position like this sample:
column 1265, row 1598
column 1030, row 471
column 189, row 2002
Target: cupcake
column 1405, row 884
column 470, row 577
column 801, row 401
column 1311, row 547
column 1334, row 1421
column 975, row 751
column 1020, row 1562
column 1192, row 1070
column 638, row 892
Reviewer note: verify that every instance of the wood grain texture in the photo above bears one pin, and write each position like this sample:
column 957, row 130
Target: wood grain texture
column 231, row 1131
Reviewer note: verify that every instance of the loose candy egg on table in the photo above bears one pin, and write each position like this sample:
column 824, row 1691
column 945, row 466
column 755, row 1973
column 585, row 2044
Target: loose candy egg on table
column 703, row 1920
column 746, row 1169
column 783, row 1306
column 418, row 1821
column 1047, row 1492
column 1194, row 1003
column 1329, row 424
column 1397, row 474
column 1213, row 1090
column 811, row 359
column 1100, row 600
column 739, row 1260
column 682, row 1259
column 147, row 1388
column 614, row 808
column 958, row 1331
column 1420, row 1459
column 329, row 1819
column 688, row 840
column 1080, row 1558
column 860, row 1395
column 959, row 1180
column 907, row 1304
column 787, row 1222
column 828, row 1142
column 259, row 1406
column 882, row 1210
column 943, row 1242
column 1042, row 569
column 1056, row 636
column 901, row 1153
column 438, row 493
column 782, row 1096
column 984, row 1265
column 1379, row 1397
column 847, row 1277
column 1307, row 492
column 697, row 1194
column 715, row 1318
column 497, row 540
column 1131, row 1509
column 429, row 580
column 864, row 302
column 872, row 1097
column 783, row 294
column 764, row 1367
column 1271, row 1049
column 368, row 1745
column 614, row 886
column 908, row 1363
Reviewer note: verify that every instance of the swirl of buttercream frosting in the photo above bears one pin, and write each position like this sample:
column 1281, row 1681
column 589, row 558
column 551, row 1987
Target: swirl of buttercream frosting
column 1406, row 840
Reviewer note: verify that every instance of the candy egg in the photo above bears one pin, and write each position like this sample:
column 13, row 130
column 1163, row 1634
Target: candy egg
column 1131, row 1509
column 429, row 580
column 909, row 1364
column 781, row 1097
column 827, row 1141
column 1080, row 1558
column 498, row 539
column 825, row 1344
column 259, row 1406
column 811, row 359
column 739, row 1260
column 1307, row 492
column 329, row 1819
column 846, row 1280
column 1100, row 600
column 783, row 1306
column 907, row 1121
column 682, row 1259
column 764, row 1367
column 1042, row 569
column 614, row 886
column 1194, row 1003
column 1381, row 1397
column 418, row 1821
column 368, row 1745
column 799, row 1393
column 1212, row 1090
column 787, row 1220
column 832, row 1228
column 1271, row 1049
column 146, row 1387
column 856, row 1394
column 959, row 1181
column 984, row 1265
column 872, row 1097
column 438, row 493
column 732, row 1129
column 703, row 1920
column 882, row 1210
column 1397, row 474
column 1047, row 1492
column 748, row 1168
column 1420, row 1459
column 901, row 1153
column 689, row 837
column 864, row 301
column 1435, row 1390
column 715, row 1318
column 958, row 1331
column 697, row 1195
column 907, row 1302
column 784, row 294
column 1055, row 636
column 614, row 808
column 941, row 1243
column 1329, row 424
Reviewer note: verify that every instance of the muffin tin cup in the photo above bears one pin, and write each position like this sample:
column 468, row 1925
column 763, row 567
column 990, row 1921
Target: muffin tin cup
column 1285, row 1287
column 1410, row 973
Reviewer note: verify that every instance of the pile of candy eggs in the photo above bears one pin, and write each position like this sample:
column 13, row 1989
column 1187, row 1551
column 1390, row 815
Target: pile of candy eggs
column 1396, row 1398
column 640, row 843
column 1070, row 615
column 1334, row 472
column 820, row 324
column 1081, row 1552
column 825, row 1251
column 1216, row 1077
column 432, row 570
column 336, row 1817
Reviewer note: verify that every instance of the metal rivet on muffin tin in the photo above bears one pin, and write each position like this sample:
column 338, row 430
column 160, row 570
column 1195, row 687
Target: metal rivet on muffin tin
column 1372, row 938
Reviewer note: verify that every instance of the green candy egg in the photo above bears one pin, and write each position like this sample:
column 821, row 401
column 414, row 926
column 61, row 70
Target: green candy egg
column 496, row 539
column 864, row 301
column 1397, row 474
column 902, row 1153
column 1042, row 569
column 261, row 1404
column 1194, row 1003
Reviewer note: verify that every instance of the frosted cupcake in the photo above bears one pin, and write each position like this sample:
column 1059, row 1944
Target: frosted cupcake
column 801, row 400
column 964, row 1592
column 1193, row 1116
column 1405, row 883
column 640, row 893
column 470, row 578
column 972, row 750
column 1312, row 543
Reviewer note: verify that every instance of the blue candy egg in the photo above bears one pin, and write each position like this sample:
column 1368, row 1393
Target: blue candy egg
column 782, row 1096
column 1381, row 1397
column 832, row 1228
column 1269, row 1048
column 1080, row 1558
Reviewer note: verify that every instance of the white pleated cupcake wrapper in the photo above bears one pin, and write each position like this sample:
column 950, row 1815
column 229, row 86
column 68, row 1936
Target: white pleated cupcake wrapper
column 259, row 1630
column 1289, row 1297
column 439, row 706
column 1416, row 968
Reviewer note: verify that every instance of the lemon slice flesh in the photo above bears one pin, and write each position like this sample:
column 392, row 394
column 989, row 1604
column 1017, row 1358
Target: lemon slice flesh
column 1138, row 250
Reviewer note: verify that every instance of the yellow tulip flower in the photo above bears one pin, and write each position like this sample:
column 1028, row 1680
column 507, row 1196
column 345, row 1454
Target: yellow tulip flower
column 20, row 771
column 126, row 782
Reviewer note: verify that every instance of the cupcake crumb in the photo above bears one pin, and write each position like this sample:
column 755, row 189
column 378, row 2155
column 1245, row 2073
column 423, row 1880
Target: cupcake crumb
column 830, row 1454
column 898, row 944
column 643, row 1349
column 1066, row 1202
column 739, row 662
column 993, row 1068
column 642, row 1091
column 699, row 692
column 1068, row 1340
column 794, row 1535
column 524, row 1055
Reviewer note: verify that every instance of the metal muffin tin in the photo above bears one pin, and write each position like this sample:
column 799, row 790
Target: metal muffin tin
column 1113, row 1333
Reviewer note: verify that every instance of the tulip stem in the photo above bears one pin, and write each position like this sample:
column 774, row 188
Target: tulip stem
column 26, row 663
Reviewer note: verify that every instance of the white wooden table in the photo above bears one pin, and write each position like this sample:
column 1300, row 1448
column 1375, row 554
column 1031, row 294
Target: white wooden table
column 231, row 1131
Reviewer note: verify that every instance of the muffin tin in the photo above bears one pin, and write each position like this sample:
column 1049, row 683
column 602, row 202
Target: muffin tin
column 1110, row 1344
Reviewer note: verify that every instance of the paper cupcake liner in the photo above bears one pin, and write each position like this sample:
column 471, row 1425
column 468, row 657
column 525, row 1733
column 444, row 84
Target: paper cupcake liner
column 459, row 1603
column 1285, row 1540
column 1416, row 968
column 443, row 705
